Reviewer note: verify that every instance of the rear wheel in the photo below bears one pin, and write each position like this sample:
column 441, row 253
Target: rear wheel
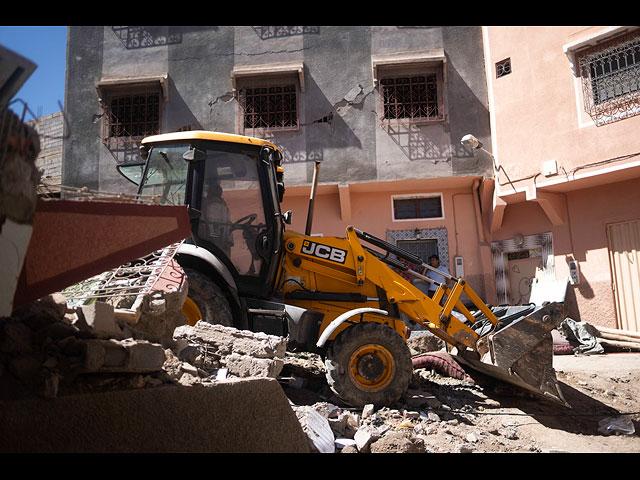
column 369, row 363
column 205, row 301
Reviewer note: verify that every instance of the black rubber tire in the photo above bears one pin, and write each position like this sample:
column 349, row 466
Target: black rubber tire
column 209, row 298
column 340, row 358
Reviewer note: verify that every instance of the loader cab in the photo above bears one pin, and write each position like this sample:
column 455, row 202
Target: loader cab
column 233, row 188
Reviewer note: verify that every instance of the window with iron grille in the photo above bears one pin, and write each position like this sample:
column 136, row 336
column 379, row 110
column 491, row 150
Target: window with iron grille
column 610, row 75
column 503, row 68
column 269, row 105
column 412, row 98
column 419, row 207
column 131, row 116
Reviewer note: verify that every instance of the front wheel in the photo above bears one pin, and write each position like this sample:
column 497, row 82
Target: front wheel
column 205, row 301
column 369, row 363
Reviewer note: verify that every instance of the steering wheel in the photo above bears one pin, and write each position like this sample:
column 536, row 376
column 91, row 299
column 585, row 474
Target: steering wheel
column 246, row 220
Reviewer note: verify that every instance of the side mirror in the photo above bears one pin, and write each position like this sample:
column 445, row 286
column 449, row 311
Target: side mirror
column 194, row 155
column 144, row 152
column 287, row 217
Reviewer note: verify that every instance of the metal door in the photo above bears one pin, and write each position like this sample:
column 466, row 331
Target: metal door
column 421, row 248
column 624, row 245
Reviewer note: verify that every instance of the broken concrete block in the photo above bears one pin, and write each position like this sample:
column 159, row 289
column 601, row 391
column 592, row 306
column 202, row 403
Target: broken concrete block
column 55, row 304
column 367, row 410
column 190, row 369
column 241, row 352
column 364, row 437
column 247, row 366
column 157, row 304
column 100, row 316
column 424, row 342
column 14, row 337
column 339, row 426
column 227, row 340
column 320, row 438
column 161, row 310
column 122, row 356
column 48, row 309
column 143, row 356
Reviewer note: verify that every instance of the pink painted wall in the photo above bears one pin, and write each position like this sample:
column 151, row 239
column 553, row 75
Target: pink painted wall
column 371, row 211
column 537, row 111
column 584, row 239
column 538, row 116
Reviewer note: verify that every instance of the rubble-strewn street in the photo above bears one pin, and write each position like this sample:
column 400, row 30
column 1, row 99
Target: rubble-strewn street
column 441, row 414
column 49, row 351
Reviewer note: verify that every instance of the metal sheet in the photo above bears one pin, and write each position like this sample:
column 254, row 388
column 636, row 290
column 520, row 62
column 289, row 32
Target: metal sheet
column 73, row 240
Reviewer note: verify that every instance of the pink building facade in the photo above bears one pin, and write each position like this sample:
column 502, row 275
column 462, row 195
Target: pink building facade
column 565, row 198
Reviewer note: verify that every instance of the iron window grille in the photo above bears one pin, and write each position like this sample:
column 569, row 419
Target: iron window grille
column 412, row 98
column 268, row 106
column 610, row 76
column 503, row 68
column 131, row 116
column 417, row 208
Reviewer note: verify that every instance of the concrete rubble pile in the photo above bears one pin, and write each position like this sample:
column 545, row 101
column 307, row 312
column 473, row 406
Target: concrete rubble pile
column 420, row 422
column 438, row 414
column 49, row 349
column 331, row 429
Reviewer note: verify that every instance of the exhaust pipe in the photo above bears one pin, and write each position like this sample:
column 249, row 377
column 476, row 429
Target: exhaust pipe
column 312, row 197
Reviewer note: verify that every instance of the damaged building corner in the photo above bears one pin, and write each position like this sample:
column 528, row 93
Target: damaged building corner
column 19, row 147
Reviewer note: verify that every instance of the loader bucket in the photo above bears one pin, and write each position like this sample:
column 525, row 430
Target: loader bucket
column 519, row 350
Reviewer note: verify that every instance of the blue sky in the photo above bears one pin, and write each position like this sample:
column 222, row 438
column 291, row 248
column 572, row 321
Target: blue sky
column 46, row 47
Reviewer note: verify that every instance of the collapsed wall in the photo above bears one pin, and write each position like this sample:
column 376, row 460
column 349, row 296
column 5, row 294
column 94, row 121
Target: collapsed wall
column 80, row 380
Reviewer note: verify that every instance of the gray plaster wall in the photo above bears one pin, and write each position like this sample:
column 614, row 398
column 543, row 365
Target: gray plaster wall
column 80, row 161
column 338, row 110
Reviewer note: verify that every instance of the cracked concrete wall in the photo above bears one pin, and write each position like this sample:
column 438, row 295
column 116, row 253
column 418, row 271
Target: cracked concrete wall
column 80, row 160
column 338, row 110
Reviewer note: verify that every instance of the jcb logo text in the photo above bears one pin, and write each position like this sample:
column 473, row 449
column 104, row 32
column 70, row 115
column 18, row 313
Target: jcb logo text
column 324, row 251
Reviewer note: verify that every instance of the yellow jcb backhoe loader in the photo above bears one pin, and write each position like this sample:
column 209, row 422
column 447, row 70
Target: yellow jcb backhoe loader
column 334, row 296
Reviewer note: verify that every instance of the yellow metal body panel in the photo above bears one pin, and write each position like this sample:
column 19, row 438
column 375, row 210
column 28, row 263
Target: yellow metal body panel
column 342, row 265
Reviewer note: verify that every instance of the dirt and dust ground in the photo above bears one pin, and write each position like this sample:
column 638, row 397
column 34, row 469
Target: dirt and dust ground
column 488, row 416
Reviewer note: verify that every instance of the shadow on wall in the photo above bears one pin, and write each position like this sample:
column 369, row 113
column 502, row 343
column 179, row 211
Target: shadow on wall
column 417, row 141
column 440, row 141
column 265, row 33
column 326, row 126
column 134, row 37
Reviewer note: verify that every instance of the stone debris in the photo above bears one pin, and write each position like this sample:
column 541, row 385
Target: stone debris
column 49, row 349
column 437, row 414
column 46, row 347
column 240, row 352
column 316, row 426
column 99, row 316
